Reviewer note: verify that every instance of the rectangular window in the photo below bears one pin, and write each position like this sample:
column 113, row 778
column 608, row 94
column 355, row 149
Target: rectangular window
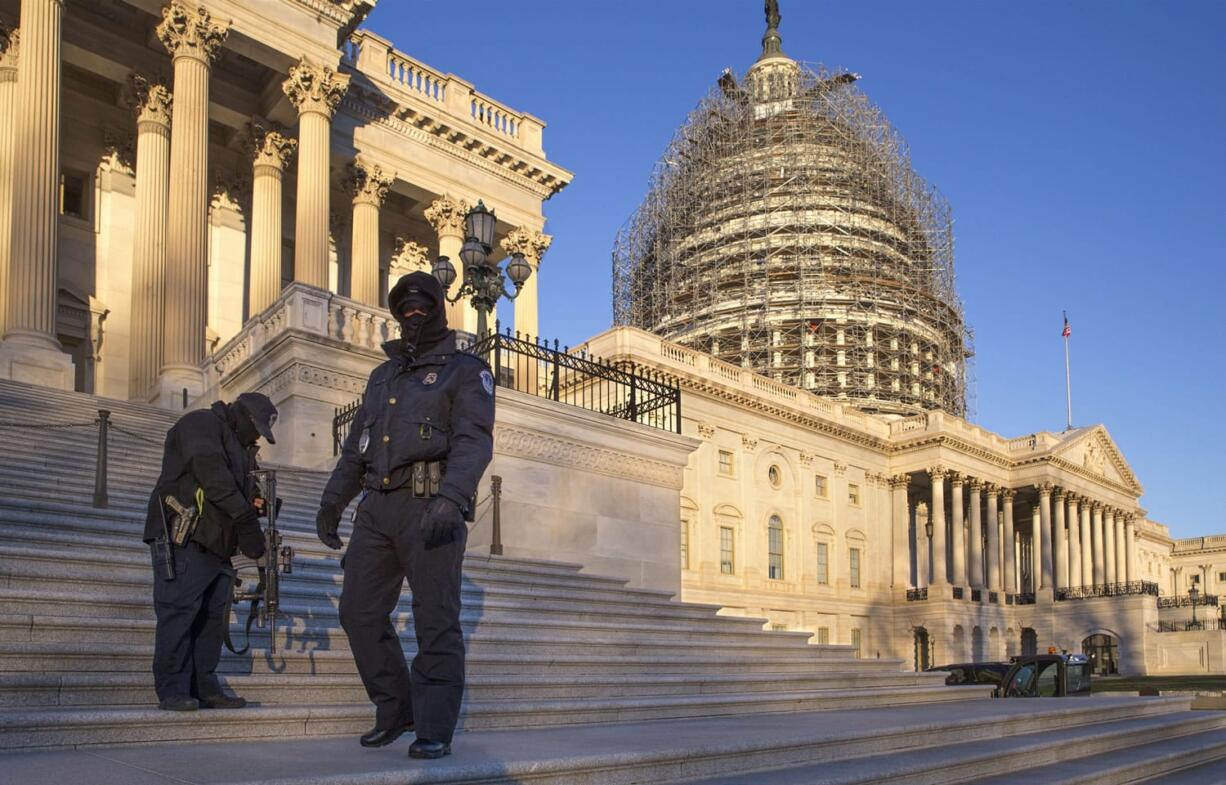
column 725, row 463
column 685, row 545
column 823, row 636
column 727, row 550
column 853, row 494
column 1221, row 576
column 855, row 568
column 819, row 484
column 775, row 549
column 855, row 640
column 74, row 194
column 823, row 564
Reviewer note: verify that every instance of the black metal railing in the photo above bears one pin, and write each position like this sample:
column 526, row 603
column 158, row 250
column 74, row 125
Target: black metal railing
column 976, row 595
column 1026, row 598
column 1210, row 623
column 1108, row 590
column 958, row 592
column 620, row 389
column 1185, row 601
column 916, row 595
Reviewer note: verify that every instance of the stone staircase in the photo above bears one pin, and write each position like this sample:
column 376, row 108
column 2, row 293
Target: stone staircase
column 573, row 678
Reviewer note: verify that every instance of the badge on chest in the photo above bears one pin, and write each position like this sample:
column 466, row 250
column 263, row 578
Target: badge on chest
column 430, row 378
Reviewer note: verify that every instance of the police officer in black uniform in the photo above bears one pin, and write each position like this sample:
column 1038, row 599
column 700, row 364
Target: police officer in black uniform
column 206, row 466
column 417, row 449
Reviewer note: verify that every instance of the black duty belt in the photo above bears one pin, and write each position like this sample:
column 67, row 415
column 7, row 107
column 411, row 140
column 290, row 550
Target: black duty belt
column 422, row 478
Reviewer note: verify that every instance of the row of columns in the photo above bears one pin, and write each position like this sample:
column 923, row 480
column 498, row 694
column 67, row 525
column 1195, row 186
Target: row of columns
column 1074, row 541
column 170, row 253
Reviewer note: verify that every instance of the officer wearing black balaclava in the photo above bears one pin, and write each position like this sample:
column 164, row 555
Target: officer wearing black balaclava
column 206, row 467
column 416, row 450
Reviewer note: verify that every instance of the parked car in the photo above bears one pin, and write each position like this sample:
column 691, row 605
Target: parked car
column 1046, row 676
column 974, row 673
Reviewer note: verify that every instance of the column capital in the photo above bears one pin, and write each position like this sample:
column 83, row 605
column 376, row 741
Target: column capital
column 938, row 472
column 409, row 257
column 1044, row 488
column 1095, row 506
column 975, row 484
column 311, row 88
column 369, row 183
column 1060, row 495
column 194, row 34
column 957, row 479
column 992, row 489
column 270, row 146
column 529, row 244
column 900, row 481
column 149, row 99
column 446, row 215
column 10, row 46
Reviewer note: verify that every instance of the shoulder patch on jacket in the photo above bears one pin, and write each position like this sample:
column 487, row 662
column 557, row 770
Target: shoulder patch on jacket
column 487, row 381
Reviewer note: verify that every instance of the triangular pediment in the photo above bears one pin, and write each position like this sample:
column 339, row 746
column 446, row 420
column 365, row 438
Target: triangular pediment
column 1093, row 451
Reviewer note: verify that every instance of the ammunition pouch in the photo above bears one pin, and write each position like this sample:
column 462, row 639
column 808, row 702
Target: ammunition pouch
column 426, row 478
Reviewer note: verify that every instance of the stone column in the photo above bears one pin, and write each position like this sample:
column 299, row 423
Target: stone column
column 1121, row 549
column 1100, row 561
column 531, row 245
column 957, row 528
column 31, row 350
column 370, row 185
column 446, row 215
column 1074, row 543
column 315, row 92
column 939, row 573
column 9, row 50
column 1087, row 544
column 923, row 548
column 1011, row 580
column 1061, row 541
column 271, row 152
column 1109, row 545
column 1130, row 542
column 992, row 522
column 900, row 521
column 152, row 104
column 976, row 535
column 1043, row 546
column 194, row 41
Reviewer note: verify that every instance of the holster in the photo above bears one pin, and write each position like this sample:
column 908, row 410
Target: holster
column 182, row 522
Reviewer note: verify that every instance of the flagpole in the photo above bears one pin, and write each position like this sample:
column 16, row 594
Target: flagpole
column 1068, row 383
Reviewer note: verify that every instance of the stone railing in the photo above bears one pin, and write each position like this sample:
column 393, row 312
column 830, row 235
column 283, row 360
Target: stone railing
column 304, row 309
column 443, row 93
column 1193, row 544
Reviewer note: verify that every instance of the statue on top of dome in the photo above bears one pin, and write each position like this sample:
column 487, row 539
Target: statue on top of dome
column 772, row 43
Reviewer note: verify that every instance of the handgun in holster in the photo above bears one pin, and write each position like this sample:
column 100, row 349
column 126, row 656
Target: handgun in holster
column 182, row 522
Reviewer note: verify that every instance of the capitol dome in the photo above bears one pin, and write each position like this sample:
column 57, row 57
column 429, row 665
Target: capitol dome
column 784, row 231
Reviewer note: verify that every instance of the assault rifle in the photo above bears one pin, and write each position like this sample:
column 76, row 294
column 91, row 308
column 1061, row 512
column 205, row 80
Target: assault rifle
column 278, row 560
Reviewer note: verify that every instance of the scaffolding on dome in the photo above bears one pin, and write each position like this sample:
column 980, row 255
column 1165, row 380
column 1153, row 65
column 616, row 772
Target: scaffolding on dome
column 785, row 231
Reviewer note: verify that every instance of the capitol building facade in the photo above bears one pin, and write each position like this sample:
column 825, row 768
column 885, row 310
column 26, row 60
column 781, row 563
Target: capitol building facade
column 205, row 198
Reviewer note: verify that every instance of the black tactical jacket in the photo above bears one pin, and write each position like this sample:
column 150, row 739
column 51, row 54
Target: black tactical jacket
column 439, row 406
column 202, row 451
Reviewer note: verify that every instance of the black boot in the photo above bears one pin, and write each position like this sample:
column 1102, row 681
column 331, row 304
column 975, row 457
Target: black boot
column 381, row 737
column 222, row 701
column 424, row 748
column 178, row 703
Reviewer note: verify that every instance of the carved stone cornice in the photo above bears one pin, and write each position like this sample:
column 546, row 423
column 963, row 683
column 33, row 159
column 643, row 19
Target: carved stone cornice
column 150, row 100
column 311, row 88
column 10, row 46
column 409, row 257
column 369, row 183
column 270, row 146
column 446, row 215
column 563, row 452
column 527, row 243
column 194, row 34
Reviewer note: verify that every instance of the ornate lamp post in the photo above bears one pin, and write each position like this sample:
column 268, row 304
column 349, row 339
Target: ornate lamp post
column 483, row 280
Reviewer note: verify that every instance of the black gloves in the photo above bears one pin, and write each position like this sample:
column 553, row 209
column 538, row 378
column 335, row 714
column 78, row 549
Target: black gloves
column 439, row 522
column 328, row 523
column 250, row 538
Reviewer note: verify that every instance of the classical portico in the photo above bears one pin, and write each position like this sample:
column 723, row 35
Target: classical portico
column 267, row 143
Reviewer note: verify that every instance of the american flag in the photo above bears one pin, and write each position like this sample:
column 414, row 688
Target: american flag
column 1068, row 330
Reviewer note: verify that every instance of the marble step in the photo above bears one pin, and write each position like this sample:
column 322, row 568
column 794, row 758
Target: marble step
column 44, row 690
column 1205, row 774
column 1015, row 758
column 34, row 728
column 750, row 746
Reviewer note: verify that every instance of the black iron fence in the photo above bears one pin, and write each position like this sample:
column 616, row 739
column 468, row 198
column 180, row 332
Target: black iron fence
column 1108, row 590
column 916, row 595
column 1025, row 598
column 1210, row 623
column 619, row 389
column 1185, row 601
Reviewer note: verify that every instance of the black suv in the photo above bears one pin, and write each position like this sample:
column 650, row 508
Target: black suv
column 1046, row 676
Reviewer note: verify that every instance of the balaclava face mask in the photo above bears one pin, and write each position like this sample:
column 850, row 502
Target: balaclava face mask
column 244, row 426
column 254, row 416
column 416, row 302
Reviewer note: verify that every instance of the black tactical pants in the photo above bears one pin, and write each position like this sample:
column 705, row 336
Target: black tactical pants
column 190, row 623
column 386, row 547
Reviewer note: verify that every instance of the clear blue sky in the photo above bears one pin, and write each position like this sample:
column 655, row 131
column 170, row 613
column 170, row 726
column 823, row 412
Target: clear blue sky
column 1082, row 146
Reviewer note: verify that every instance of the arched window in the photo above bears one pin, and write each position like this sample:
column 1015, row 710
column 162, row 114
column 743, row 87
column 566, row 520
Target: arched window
column 775, row 548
